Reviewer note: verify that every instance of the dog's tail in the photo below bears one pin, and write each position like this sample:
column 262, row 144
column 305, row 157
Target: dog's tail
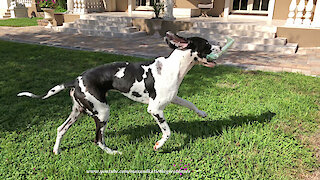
column 51, row 92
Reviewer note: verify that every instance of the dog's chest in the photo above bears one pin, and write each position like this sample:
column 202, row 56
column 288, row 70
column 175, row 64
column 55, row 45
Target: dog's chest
column 159, row 81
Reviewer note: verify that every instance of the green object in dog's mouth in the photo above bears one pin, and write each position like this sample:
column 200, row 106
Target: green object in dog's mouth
column 214, row 56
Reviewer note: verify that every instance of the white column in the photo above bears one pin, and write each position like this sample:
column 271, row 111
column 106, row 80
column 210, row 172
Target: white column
column 307, row 17
column 291, row 14
column 70, row 6
column 168, row 10
column 298, row 20
column 129, row 7
column 271, row 9
column 316, row 16
column 226, row 10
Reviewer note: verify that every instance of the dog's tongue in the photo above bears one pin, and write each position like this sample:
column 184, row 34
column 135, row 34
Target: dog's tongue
column 210, row 64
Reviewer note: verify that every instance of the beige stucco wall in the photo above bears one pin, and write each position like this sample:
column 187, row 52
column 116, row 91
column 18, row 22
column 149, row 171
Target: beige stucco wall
column 32, row 8
column 122, row 5
column 304, row 37
column 281, row 9
column 218, row 8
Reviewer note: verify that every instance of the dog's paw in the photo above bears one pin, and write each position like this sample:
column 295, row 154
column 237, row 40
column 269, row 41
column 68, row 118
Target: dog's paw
column 112, row 152
column 56, row 151
column 108, row 150
column 202, row 114
column 156, row 146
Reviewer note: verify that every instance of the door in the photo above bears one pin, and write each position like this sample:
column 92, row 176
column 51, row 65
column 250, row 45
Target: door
column 250, row 6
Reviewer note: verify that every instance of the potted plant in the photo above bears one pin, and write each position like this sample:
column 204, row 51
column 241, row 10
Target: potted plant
column 156, row 22
column 157, row 8
column 48, row 8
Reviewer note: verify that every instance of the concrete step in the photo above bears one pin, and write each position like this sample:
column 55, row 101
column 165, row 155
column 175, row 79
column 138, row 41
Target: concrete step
column 101, row 28
column 236, row 26
column 107, row 18
column 243, row 43
column 243, row 39
column 102, row 23
column 5, row 16
column 289, row 48
column 231, row 32
column 99, row 25
column 91, row 32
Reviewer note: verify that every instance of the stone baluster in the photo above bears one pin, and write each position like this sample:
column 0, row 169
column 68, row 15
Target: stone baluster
column 291, row 14
column 300, row 8
column 95, row 5
column 89, row 6
column 75, row 6
column 316, row 16
column 84, row 9
column 307, row 16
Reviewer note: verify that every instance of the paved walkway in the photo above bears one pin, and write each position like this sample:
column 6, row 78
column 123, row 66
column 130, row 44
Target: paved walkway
column 306, row 61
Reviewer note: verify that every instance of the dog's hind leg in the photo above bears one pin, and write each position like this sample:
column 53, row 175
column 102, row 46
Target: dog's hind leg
column 182, row 102
column 101, row 119
column 159, row 117
column 76, row 111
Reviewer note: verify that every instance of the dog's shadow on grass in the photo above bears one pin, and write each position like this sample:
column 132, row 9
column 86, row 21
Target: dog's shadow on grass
column 194, row 129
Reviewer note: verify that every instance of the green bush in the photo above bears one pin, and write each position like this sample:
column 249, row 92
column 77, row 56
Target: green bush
column 62, row 6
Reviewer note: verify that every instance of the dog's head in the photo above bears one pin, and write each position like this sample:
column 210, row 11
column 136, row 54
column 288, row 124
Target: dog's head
column 200, row 48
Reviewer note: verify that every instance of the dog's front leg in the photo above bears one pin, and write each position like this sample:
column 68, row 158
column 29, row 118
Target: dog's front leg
column 189, row 105
column 159, row 117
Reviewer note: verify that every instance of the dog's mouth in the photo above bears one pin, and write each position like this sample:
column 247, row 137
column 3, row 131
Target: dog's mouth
column 209, row 64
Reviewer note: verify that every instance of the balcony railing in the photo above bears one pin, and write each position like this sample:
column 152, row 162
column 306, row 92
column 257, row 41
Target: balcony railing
column 87, row 6
column 305, row 14
column 27, row 3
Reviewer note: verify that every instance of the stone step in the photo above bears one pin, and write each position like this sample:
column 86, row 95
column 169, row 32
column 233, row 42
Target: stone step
column 244, row 44
column 99, row 25
column 289, row 48
column 230, row 32
column 107, row 18
column 5, row 16
column 91, row 32
column 101, row 28
column 102, row 23
column 243, row 39
column 236, row 26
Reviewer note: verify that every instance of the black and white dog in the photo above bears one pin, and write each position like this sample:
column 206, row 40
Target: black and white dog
column 155, row 83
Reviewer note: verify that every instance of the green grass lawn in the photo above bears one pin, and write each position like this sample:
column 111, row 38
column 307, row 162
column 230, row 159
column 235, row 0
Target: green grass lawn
column 258, row 123
column 19, row 22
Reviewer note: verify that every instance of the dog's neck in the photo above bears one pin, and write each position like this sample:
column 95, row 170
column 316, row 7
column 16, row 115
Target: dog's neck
column 185, row 58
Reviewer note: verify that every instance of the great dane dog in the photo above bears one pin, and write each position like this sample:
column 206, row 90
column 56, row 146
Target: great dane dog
column 155, row 83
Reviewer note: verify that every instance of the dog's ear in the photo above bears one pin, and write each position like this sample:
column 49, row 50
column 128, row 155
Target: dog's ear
column 176, row 42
